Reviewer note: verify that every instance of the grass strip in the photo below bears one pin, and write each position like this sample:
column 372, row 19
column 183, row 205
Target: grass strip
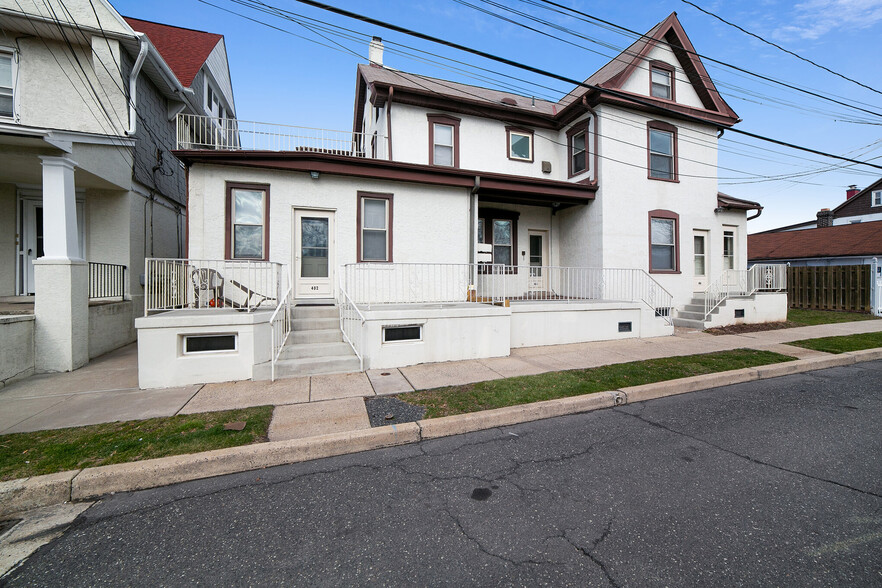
column 805, row 318
column 452, row 400
column 843, row 343
column 45, row 452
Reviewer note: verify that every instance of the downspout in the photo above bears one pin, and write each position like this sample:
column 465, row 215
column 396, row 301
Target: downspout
column 591, row 111
column 389, row 122
column 473, row 223
column 133, row 83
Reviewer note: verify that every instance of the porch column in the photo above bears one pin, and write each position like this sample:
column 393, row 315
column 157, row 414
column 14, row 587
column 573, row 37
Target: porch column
column 61, row 303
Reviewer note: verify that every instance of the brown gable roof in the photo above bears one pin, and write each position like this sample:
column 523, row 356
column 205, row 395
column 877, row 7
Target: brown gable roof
column 860, row 203
column 611, row 76
column 838, row 241
column 184, row 50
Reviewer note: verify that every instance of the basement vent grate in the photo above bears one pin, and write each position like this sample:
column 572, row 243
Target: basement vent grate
column 209, row 343
column 739, row 313
column 402, row 333
column 625, row 327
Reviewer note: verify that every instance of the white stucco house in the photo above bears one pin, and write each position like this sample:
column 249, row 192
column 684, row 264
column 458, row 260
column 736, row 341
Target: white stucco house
column 89, row 184
column 457, row 222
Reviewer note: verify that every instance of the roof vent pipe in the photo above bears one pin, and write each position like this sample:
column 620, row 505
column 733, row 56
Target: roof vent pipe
column 375, row 51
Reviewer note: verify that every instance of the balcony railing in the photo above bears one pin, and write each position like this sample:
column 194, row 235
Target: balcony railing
column 370, row 284
column 205, row 132
column 171, row 284
column 106, row 280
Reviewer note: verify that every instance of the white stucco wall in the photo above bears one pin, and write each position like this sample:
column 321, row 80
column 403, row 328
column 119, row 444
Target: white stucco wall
column 429, row 223
column 16, row 347
column 162, row 362
column 111, row 326
column 762, row 307
column 626, row 196
column 638, row 82
column 482, row 144
column 81, row 13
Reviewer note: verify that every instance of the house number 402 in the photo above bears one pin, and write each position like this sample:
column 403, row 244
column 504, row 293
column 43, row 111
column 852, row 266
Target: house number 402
column 314, row 288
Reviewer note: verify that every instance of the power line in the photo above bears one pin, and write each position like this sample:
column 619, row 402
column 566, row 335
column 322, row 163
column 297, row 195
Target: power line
column 775, row 45
column 539, row 71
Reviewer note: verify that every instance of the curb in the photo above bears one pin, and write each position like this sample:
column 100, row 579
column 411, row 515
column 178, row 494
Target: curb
column 76, row 485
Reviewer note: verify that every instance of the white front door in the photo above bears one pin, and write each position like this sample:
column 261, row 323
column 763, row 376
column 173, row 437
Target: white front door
column 313, row 254
column 31, row 246
column 538, row 261
column 699, row 250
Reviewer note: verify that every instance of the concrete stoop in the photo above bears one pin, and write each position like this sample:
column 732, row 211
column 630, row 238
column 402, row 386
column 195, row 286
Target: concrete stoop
column 315, row 346
column 692, row 315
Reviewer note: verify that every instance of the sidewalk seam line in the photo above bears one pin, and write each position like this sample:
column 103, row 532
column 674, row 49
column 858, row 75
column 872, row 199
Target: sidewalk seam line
column 189, row 400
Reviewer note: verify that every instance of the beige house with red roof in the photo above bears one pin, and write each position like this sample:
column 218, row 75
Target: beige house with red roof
column 89, row 183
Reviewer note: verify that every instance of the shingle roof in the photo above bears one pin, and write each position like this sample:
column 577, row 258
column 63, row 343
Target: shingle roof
column 837, row 241
column 184, row 50
column 423, row 84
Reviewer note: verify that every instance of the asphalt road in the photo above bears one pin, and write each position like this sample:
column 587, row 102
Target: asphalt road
column 771, row 483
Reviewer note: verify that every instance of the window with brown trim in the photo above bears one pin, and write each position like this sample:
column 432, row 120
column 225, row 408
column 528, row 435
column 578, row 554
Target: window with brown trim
column 520, row 144
column 247, row 221
column 661, row 151
column 443, row 140
column 664, row 242
column 577, row 149
column 500, row 229
column 661, row 80
column 374, row 227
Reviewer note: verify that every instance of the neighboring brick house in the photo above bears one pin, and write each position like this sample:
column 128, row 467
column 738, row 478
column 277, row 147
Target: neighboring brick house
column 89, row 184
column 859, row 206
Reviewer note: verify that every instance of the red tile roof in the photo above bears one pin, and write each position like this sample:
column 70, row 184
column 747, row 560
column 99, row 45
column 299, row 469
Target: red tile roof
column 841, row 240
column 184, row 50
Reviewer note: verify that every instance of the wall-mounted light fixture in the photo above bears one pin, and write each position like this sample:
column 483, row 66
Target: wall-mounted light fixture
column 314, row 175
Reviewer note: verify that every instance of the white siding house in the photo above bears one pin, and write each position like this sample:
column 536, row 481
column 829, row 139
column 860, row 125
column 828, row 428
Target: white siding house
column 458, row 222
column 89, row 185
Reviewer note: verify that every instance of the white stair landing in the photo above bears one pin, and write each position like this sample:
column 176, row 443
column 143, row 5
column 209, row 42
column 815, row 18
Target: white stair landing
column 315, row 346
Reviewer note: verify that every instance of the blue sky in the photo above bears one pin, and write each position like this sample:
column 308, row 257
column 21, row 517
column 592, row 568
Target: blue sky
column 286, row 79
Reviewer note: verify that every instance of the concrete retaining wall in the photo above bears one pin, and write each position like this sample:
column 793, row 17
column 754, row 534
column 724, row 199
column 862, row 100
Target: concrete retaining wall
column 16, row 347
column 111, row 326
column 762, row 307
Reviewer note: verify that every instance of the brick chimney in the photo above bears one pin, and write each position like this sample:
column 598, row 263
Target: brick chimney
column 825, row 218
column 851, row 192
column 375, row 51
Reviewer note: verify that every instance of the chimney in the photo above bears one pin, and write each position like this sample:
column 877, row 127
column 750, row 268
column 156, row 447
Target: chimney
column 825, row 218
column 851, row 192
column 375, row 51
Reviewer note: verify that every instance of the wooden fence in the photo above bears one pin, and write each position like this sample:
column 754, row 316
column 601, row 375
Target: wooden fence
column 837, row 287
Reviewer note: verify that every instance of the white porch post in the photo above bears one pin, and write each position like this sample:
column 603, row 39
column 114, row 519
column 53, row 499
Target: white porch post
column 61, row 304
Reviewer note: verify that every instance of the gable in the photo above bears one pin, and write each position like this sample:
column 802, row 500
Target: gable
column 184, row 50
column 861, row 203
column 638, row 81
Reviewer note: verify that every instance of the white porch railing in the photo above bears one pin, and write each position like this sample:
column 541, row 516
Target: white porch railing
column 280, row 323
column 351, row 323
column 435, row 283
column 768, row 277
column 205, row 132
column 171, row 284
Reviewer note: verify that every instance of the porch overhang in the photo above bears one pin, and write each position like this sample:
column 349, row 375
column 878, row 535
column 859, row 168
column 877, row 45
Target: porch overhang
column 510, row 188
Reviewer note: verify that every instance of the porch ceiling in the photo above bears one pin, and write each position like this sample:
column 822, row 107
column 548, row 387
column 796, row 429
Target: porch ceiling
column 22, row 165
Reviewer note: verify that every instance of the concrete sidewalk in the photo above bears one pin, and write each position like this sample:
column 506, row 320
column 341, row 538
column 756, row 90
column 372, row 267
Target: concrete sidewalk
column 106, row 389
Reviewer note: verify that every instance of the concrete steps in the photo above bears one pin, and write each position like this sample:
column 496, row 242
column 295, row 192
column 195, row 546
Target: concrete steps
column 315, row 346
column 691, row 315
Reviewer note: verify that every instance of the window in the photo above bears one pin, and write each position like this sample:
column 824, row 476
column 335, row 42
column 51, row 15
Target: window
column 213, row 104
column 247, row 221
column 664, row 242
column 577, row 146
column 500, row 229
column 698, row 251
column 392, row 334
column 662, row 151
column 209, row 343
column 7, row 100
column 443, row 140
column 374, row 227
column 520, row 144
column 877, row 198
column 728, row 250
column 661, row 81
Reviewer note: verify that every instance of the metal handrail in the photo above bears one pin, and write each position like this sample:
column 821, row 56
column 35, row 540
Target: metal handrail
column 280, row 337
column 345, row 303
column 759, row 277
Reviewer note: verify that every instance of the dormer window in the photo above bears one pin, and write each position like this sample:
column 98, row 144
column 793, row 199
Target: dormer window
column 661, row 81
column 213, row 104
